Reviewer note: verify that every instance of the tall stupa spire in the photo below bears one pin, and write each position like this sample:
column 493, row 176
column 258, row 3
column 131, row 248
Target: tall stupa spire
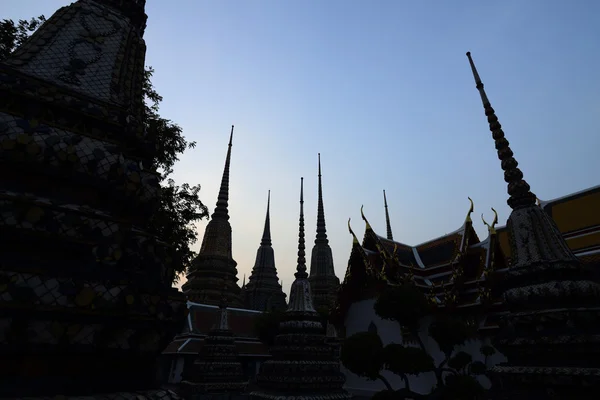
column 266, row 237
column 323, row 281
column 221, row 210
column 312, row 371
column 545, row 279
column 263, row 291
column 388, row 225
column 321, row 230
column 301, row 266
column 215, row 267
column 518, row 189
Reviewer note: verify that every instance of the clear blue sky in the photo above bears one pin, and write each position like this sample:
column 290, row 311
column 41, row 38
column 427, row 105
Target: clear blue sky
column 384, row 92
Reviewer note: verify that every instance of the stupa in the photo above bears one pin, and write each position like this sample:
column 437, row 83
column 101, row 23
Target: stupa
column 85, row 288
column 218, row 368
column 550, row 331
column 303, row 365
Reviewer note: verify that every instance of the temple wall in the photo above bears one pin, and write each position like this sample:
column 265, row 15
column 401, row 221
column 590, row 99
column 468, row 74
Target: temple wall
column 358, row 318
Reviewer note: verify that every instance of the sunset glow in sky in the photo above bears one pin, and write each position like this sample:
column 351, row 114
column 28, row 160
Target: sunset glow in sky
column 383, row 90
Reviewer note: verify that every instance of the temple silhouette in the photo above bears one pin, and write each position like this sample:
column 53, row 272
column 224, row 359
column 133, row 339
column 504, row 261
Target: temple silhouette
column 90, row 311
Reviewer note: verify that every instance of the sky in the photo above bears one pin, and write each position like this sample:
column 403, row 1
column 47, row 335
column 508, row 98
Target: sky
column 383, row 90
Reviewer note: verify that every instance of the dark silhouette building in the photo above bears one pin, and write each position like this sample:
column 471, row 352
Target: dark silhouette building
column 85, row 289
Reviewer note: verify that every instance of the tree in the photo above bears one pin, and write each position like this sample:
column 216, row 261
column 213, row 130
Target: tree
column 180, row 206
column 364, row 354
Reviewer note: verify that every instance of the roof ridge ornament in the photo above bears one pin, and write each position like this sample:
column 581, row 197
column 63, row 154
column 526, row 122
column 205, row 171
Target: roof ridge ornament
column 471, row 209
column 362, row 214
column 518, row 189
column 354, row 238
column 492, row 227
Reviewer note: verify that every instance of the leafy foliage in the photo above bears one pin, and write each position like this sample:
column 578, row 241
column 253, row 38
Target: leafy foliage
column 180, row 206
column 13, row 35
column 362, row 353
column 404, row 304
column 460, row 360
column 409, row 360
column 448, row 332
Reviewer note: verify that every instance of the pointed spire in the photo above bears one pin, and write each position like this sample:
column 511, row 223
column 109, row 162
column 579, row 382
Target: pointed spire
column 518, row 189
column 221, row 210
column 266, row 238
column 387, row 218
column 301, row 268
column 321, row 230
column 244, row 282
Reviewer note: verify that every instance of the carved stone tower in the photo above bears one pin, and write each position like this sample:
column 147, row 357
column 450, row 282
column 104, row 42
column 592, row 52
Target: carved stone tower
column 85, row 290
column 215, row 267
column 263, row 291
column 550, row 333
column 322, row 278
column 304, row 364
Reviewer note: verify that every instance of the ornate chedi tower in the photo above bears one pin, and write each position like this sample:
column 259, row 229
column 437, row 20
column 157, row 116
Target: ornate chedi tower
column 552, row 324
column 85, row 290
column 304, row 364
column 263, row 291
column 388, row 224
column 322, row 278
column 215, row 267
column 218, row 368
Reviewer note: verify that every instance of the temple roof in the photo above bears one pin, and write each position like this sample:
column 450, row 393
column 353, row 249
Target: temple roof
column 577, row 216
column 436, row 252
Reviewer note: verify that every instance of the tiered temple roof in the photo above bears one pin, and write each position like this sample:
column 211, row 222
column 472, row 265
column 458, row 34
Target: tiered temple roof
column 550, row 330
column 214, row 267
column 85, row 289
column 263, row 291
column 323, row 281
column 304, row 364
column 450, row 269
column 434, row 264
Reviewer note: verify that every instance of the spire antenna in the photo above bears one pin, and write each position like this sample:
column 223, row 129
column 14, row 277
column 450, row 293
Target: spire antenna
column 221, row 211
column 519, row 191
column 390, row 236
column 301, row 268
column 321, row 229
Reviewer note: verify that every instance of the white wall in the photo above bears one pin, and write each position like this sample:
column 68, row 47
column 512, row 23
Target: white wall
column 176, row 369
column 358, row 318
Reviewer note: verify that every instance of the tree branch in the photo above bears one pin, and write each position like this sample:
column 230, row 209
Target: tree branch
column 385, row 382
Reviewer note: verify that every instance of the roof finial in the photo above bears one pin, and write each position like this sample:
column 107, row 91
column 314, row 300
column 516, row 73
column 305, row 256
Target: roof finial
column 518, row 189
column 492, row 227
column 266, row 238
column 222, row 201
column 354, row 238
column 321, row 230
column 471, row 209
column 362, row 214
column 387, row 218
column 301, row 268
